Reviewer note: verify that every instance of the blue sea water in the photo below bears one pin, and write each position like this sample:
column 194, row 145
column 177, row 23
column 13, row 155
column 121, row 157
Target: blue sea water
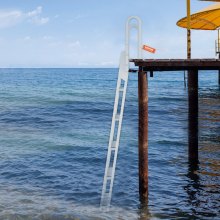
column 54, row 129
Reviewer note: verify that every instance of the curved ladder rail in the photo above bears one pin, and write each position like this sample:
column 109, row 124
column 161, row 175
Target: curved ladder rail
column 118, row 111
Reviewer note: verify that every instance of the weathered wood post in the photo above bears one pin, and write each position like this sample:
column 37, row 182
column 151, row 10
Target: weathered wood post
column 192, row 98
column 218, row 52
column 219, row 69
column 188, row 29
column 193, row 107
column 143, row 135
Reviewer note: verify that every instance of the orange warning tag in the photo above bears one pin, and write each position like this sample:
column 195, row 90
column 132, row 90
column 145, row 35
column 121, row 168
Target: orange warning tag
column 149, row 49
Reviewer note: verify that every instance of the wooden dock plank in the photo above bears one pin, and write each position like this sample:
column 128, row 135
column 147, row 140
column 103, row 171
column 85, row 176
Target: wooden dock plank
column 177, row 64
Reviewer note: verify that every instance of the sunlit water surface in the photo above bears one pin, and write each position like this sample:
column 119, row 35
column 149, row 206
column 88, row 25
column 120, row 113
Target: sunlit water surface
column 54, row 128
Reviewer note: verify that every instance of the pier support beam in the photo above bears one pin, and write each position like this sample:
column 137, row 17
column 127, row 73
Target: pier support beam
column 143, row 135
column 193, row 107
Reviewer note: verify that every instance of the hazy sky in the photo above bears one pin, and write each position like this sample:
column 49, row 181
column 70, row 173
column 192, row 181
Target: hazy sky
column 90, row 33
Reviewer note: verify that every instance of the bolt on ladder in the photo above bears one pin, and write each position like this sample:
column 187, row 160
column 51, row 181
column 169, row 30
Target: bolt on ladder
column 118, row 111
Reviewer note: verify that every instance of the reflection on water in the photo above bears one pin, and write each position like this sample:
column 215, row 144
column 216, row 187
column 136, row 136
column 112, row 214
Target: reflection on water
column 144, row 213
column 193, row 188
column 203, row 176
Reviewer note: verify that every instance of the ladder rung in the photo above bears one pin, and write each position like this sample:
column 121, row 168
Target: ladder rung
column 113, row 145
column 109, row 173
column 117, row 117
column 105, row 197
column 121, row 89
column 115, row 128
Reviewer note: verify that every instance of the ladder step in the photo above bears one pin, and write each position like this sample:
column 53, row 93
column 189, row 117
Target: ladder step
column 105, row 198
column 115, row 128
column 117, row 117
column 113, row 145
column 107, row 195
column 121, row 89
column 109, row 173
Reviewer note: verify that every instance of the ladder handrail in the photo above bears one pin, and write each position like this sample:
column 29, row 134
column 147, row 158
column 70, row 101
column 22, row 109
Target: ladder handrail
column 114, row 143
column 137, row 26
column 123, row 75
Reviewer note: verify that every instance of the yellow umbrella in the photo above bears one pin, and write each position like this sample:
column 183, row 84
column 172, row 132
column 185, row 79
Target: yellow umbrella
column 210, row 17
column 207, row 19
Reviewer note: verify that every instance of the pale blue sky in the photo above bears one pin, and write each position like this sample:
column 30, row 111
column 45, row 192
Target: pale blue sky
column 90, row 33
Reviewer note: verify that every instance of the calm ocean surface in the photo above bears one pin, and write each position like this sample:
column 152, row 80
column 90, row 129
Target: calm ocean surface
column 54, row 128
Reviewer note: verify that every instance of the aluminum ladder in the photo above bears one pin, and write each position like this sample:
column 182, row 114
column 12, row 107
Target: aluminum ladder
column 118, row 111
column 115, row 131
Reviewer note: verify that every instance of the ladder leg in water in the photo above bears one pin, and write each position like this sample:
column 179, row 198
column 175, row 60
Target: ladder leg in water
column 120, row 95
column 115, row 131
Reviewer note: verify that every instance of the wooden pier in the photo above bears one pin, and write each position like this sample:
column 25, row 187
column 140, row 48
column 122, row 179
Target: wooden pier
column 149, row 66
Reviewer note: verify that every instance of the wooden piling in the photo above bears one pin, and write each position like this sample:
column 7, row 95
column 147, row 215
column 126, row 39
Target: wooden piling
column 219, row 57
column 149, row 65
column 143, row 135
column 219, row 69
column 193, row 107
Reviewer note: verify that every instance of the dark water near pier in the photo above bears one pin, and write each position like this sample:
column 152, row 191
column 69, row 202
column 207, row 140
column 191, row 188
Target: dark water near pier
column 54, row 127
